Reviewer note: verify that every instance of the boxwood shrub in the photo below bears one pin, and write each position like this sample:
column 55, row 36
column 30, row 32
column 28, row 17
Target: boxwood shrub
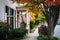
column 42, row 37
column 6, row 33
column 45, row 37
column 17, row 33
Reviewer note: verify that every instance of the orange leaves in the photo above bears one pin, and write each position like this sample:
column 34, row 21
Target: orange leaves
column 23, row 1
column 49, row 3
column 35, row 11
column 52, row 2
column 32, row 14
column 57, row 2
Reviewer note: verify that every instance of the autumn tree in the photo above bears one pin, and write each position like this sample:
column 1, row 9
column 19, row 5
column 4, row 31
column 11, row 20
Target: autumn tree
column 40, row 18
column 50, row 10
column 51, row 13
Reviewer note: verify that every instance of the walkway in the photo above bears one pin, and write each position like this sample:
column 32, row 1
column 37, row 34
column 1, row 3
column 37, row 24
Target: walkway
column 33, row 36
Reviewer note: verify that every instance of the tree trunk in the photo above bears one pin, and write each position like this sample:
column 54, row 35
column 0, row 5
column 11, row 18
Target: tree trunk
column 52, row 17
column 50, row 32
column 51, row 13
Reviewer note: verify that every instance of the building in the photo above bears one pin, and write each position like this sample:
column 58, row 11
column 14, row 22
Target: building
column 7, row 12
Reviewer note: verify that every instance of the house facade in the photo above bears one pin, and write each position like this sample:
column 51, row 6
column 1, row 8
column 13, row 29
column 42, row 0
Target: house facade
column 8, row 12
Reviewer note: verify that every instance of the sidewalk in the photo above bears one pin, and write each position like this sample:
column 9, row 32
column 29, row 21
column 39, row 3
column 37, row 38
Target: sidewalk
column 33, row 36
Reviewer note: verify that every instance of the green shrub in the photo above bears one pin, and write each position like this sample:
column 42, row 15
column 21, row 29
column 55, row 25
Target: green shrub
column 45, row 37
column 55, row 38
column 3, row 34
column 6, row 34
column 10, row 34
column 4, row 28
column 42, row 37
column 19, row 32
column 31, row 24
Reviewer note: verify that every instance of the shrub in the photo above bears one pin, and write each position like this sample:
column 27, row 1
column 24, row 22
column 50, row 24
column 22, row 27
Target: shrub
column 42, row 37
column 17, row 33
column 10, row 34
column 42, row 30
column 3, row 34
column 6, row 34
column 4, row 25
column 45, row 37
column 55, row 38
column 4, row 28
column 31, row 24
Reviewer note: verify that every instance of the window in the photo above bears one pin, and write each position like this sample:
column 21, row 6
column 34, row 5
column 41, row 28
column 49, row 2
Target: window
column 12, row 21
column 10, row 16
column 7, row 19
column 7, row 10
column 11, row 11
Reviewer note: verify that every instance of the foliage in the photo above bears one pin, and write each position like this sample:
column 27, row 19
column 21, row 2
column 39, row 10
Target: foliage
column 51, row 13
column 55, row 38
column 31, row 24
column 19, row 32
column 32, row 15
column 3, row 34
column 45, row 37
column 42, row 30
column 4, row 25
column 42, row 37
column 4, row 28
column 41, row 17
column 37, row 22
column 11, row 34
column 6, row 33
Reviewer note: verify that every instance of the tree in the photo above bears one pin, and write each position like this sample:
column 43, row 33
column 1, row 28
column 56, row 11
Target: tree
column 51, row 13
column 40, row 17
column 51, row 18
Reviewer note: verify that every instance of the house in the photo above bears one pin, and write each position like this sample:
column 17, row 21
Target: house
column 7, row 12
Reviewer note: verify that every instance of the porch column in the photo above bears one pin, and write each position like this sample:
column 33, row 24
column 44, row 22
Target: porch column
column 16, row 18
column 9, row 16
column 28, row 23
column 19, row 20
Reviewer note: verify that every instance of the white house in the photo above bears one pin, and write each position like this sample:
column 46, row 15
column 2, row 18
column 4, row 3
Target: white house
column 7, row 12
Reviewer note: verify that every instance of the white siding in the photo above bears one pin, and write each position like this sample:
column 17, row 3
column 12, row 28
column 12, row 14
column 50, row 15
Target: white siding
column 3, row 3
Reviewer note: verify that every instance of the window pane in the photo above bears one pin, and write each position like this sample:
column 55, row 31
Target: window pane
column 8, row 20
column 11, row 22
column 11, row 11
column 7, row 10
